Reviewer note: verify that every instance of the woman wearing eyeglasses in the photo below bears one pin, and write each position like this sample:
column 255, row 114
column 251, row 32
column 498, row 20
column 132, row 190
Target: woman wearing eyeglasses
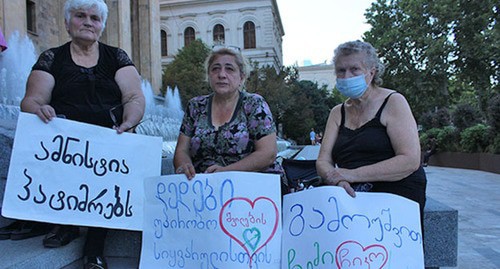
column 229, row 129
column 84, row 80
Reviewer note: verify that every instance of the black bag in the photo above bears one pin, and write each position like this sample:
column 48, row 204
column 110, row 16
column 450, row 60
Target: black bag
column 300, row 174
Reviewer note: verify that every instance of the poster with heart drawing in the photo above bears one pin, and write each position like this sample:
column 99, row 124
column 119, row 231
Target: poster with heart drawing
column 221, row 220
column 326, row 228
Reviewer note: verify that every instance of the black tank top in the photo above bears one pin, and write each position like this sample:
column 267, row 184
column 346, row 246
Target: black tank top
column 365, row 145
column 370, row 144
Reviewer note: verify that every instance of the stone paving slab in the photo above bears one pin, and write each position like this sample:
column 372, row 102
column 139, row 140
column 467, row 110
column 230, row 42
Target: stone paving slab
column 476, row 196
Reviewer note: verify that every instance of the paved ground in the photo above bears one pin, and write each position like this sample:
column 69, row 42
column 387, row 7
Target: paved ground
column 476, row 196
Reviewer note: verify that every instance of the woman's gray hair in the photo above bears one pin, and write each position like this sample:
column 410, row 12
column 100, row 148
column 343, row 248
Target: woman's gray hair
column 371, row 60
column 240, row 60
column 72, row 5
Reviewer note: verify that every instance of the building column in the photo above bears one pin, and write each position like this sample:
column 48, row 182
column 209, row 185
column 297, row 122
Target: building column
column 118, row 28
column 13, row 17
column 146, row 41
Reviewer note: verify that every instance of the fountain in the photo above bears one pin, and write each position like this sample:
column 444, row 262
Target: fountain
column 162, row 118
column 15, row 66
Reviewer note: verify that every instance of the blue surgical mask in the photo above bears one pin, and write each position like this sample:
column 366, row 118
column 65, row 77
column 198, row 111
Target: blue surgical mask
column 353, row 87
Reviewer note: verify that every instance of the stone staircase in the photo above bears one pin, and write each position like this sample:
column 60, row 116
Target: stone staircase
column 30, row 253
column 122, row 251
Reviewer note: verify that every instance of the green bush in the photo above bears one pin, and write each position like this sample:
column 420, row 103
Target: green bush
column 435, row 119
column 465, row 116
column 475, row 138
column 494, row 147
column 425, row 121
column 447, row 138
column 493, row 113
column 424, row 138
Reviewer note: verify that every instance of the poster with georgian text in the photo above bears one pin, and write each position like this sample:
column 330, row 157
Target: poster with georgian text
column 219, row 220
column 326, row 228
column 69, row 172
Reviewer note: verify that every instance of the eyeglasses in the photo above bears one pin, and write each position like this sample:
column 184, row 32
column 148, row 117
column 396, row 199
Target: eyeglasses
column 114, row 119
column 219, row 47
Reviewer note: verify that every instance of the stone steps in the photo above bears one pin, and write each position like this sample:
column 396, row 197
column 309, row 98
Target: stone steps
column 30, row 253
column 113, row 263
column 122, row 250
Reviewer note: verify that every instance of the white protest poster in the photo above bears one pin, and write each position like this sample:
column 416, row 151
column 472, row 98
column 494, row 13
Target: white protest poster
column 219, row 220
column 69, row 172
column 326, row 228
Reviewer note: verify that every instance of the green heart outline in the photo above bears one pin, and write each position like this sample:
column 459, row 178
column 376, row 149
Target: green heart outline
column 256, row 236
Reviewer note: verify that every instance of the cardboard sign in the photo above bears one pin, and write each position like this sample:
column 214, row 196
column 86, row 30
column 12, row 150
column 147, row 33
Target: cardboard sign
column 220, row 220
column 69, row 172
column 326, row 228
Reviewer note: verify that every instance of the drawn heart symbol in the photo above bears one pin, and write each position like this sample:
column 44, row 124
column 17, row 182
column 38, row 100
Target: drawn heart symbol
column 250, row 236
column 351, row 254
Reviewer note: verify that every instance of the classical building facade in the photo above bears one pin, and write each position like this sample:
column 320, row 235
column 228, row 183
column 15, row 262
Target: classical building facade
column 323, row 74
column 133, row 25
column 153, row 31
column 254, row 26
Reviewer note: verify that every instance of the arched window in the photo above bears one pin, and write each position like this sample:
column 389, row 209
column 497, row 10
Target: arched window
column 249, row 35
column 189, row 36
column 219, row 36
column 164, row 47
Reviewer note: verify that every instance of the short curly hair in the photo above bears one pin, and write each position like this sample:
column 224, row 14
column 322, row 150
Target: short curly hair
column 240, row 60
column 371, row 59
column 100, row 5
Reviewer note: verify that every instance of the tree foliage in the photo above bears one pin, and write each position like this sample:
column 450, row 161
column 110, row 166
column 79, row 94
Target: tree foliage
column 299, row 117
column 271, row 84
column 436, row 49
column 477, row 40
column 310, row 109
column 465, row 116
column 187, row 71
column 297, row 105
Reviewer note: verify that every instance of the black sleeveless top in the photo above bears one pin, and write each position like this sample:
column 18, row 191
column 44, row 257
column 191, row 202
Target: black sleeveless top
column 366, row 145
column 85, row 94
column 370, row 144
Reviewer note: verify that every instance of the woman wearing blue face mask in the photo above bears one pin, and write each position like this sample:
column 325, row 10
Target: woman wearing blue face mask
column 371, row 140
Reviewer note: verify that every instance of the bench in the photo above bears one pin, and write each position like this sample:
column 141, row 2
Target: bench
column 440, row 235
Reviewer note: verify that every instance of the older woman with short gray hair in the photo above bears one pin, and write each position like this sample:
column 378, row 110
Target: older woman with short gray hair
column 87, row 81
column 371, row 140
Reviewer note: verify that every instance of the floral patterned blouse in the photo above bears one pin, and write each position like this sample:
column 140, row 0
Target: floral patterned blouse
column 232, row 141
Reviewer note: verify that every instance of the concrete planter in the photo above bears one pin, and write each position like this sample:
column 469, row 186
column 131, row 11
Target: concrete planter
column 478, row 161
